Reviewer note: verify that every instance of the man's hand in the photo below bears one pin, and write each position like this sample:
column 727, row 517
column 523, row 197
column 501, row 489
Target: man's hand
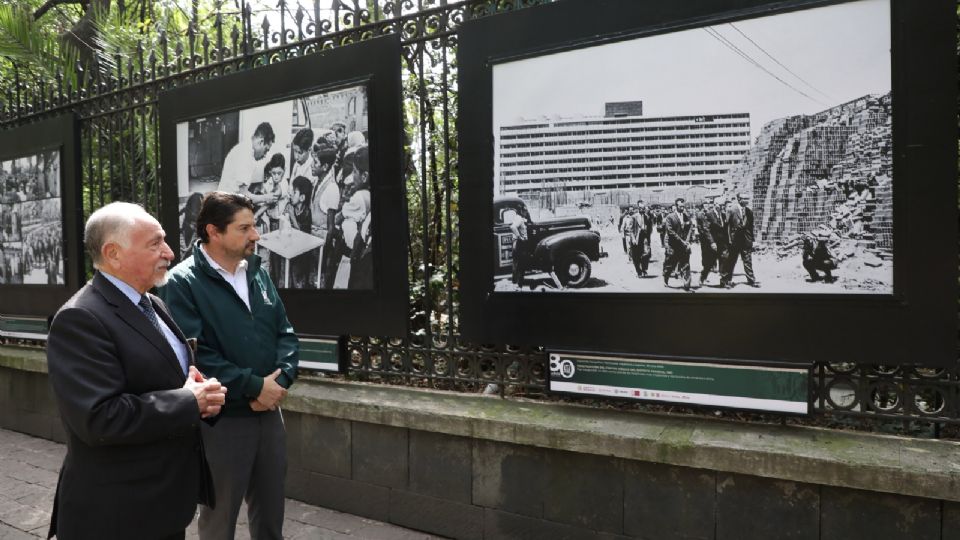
column 210, row 394
column 256, row 406
column 272, row 393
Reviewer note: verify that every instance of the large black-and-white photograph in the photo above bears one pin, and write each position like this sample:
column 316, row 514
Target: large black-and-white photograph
column 31, row 220
column 305, row 164
column 752, row 156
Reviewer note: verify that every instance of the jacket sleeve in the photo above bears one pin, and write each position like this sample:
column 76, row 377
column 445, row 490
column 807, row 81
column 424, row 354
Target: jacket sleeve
column 87, row 376
column 672, row 224
column 734, row 224
column 288, row 345
column 703, row 223
column 240, row 382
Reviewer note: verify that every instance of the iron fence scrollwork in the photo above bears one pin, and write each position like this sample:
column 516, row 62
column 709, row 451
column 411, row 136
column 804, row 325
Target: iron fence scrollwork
column 117, row 107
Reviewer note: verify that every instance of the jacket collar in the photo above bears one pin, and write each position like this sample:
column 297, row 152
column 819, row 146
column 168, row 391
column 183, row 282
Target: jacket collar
column 133, row 317
column 200, row 261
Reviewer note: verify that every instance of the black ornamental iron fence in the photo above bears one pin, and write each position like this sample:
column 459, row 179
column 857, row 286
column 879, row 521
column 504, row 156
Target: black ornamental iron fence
column 116, row 103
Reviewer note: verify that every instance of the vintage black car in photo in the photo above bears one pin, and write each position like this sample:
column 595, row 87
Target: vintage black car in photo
column 562, row 247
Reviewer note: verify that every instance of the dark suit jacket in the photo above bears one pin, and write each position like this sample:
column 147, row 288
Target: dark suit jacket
column 647, row 229
column 735, row 220
column 712, row 229
column 678, row 234
column 638, row 228
column 703, row 228
column 747, row 227
column 134, row 466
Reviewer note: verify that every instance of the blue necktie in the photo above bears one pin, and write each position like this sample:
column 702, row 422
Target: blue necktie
column 147, row 307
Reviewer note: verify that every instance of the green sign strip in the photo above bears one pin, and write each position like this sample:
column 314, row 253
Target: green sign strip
column 323, row 354
column 23, row 327
column 754, row 387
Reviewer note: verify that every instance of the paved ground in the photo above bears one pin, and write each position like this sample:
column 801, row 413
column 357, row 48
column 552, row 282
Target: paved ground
column 28, row 478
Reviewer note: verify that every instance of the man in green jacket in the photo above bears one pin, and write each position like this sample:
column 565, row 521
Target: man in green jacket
column 223, row 298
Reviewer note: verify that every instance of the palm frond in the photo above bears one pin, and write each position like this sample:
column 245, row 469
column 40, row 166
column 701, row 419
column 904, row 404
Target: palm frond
column 118, row 33
column 28, row 44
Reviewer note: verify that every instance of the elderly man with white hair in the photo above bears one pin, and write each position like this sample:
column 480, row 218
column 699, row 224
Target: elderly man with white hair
column 129, row 395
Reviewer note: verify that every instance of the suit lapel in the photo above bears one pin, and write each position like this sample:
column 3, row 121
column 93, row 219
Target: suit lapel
column 172, row 325
column 133, row 317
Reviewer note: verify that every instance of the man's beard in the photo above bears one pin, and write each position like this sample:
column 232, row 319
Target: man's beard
column 164, row 278
column 245, row 251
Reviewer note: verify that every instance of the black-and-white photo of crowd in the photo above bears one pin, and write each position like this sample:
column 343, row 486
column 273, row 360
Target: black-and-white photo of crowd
column 753, row 156
column 31, row 220
column 305, row 164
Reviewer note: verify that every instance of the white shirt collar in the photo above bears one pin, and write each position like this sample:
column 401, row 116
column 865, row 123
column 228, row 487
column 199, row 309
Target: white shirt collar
column 216, row 266
column 124, row 287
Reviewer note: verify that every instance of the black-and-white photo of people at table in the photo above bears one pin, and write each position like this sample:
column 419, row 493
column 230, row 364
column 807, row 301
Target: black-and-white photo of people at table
column 31, row 236
column 305, row 165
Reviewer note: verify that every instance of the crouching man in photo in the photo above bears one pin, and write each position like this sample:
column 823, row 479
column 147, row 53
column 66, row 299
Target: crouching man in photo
column 818, row 258
column 223, row 297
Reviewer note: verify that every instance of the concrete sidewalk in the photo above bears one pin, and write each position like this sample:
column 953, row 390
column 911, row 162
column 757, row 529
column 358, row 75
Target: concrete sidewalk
column 28, row 479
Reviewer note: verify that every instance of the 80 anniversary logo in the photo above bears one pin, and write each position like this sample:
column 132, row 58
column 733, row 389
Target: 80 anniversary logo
column 565, row 368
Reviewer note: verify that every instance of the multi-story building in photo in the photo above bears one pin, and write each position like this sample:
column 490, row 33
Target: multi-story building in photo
column 623, row 150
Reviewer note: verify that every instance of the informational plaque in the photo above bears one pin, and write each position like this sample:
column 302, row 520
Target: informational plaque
column 23, row 327
column 321, row 354
column 766, row 387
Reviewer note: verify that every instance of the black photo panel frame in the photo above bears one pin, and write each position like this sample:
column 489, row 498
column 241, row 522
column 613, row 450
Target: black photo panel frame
column 362, row 79
column 912, row 321
column 42, row 160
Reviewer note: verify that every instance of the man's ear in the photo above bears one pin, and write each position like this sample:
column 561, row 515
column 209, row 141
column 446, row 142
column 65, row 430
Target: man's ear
column 212, row 231
column 110, row 254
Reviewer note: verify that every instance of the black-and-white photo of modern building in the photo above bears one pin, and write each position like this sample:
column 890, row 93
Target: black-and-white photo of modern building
column 752, row 156
column 305, row 164
column 31, row 220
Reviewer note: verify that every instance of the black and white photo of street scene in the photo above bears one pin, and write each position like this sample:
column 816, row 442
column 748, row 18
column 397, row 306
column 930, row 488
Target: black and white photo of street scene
column 305, row 164
column 752, row 156
column 31, row 220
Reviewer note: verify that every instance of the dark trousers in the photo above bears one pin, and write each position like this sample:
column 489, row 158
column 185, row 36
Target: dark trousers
column 825, row 266
column 303, row 270
column 640, row 253
column 746, row 255
column 361, row 265
column 709, row 258
column 333, row 251
column 677, row 259
column 248, row 461
column 521, row 254
column 728, row 263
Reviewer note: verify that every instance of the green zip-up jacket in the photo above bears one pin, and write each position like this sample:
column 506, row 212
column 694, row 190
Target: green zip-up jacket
column 238, row 346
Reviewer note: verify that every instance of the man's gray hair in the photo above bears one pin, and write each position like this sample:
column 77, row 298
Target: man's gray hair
column 110, row 223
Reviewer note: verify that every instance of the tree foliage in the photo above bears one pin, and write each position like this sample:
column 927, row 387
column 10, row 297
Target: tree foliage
column 35, row 49
column 71, row 42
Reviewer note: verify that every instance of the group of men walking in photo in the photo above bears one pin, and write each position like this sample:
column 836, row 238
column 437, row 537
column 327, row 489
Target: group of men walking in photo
column 724, row 230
